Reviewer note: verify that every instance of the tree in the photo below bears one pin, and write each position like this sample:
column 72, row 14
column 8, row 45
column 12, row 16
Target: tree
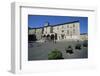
column 32, row 37
column 69, row 50
column 85, row 43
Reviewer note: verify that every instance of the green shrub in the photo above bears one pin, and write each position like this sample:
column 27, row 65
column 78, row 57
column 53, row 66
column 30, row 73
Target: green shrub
column 55, row 54
column 69, row 50
column 85, row 43
column 78, row 46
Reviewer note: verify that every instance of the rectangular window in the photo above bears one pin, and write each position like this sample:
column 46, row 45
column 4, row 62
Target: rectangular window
column 67, row 32
column 73, row 25
column 73, row 31
column 57, row 28
column 62, row 30
column 62, row 26
column 67, row 26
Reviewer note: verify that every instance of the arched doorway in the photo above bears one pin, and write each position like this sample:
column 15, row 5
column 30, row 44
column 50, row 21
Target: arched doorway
column 48, row 37
column 44, row 35
column 52, row 36
column 55, row 36
column 62, row 36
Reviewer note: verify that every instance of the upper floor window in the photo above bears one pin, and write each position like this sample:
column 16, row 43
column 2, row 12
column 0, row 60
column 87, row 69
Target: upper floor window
column 62, row 30
column 73, row 25
column 57, row 28
column 73, row 31
column 67, row 26
column 70, row 26
column 62, row 26
column 67, row 31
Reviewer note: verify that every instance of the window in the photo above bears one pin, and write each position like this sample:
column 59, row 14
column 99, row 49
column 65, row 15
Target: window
column 62, row 30
column 67, row 26
column 70, row 27
column 73, row 31
column 57, row 28
column 73, row 25
column 62, row 26
column 68, row 32
column 51, row 30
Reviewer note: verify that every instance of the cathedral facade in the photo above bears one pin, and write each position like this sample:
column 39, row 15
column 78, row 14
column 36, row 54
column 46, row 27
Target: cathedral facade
column 63, row 31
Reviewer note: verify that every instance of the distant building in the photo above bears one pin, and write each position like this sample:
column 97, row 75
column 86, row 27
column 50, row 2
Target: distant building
column 84, row 36
column 69, row 30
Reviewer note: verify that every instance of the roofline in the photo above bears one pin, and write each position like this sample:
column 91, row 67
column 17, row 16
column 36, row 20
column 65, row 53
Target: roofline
column 65, row 23
column 56, row 24
column 83, row 33
column 37, row 28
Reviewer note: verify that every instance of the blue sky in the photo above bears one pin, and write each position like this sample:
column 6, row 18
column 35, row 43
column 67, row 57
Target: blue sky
column 35, row 21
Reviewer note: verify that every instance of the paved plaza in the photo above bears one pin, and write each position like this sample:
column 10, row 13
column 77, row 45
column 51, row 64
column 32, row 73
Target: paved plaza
column 39, row 50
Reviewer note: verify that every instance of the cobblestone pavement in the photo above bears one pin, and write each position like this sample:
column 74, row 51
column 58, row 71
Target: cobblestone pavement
column 39, row 50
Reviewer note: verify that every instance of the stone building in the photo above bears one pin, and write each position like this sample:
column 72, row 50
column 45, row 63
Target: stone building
column 68, row 30
column 84, row 36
